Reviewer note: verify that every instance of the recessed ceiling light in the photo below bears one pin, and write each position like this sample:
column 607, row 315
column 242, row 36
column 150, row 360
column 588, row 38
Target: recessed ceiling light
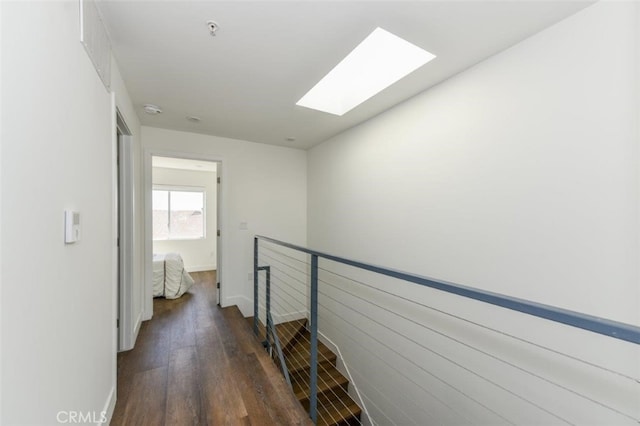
column 375, row 64
column 193, row 119
column 152, row 109
column 213, row 27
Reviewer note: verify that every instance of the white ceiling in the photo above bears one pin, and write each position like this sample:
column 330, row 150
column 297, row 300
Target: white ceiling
column 244, row 83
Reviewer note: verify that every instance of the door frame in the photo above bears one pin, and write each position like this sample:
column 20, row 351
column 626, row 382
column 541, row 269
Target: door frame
column 125, row 234
column 222, row 241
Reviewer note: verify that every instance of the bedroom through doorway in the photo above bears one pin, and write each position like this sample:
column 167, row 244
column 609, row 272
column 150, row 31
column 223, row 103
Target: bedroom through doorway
column 184, row 224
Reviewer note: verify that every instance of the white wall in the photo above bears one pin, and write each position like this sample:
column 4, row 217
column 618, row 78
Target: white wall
column 58, row 313
column 1, row 138
column 527, row 162
column 198, row 255
column 262, row 185
column 519, row 176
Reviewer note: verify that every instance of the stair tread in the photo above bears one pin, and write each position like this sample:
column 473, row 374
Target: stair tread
column 303, row 344
column 339, row 414
column 339, row 408
column 328, row 380
column 287, row 331
column 301, row 360
column 298, row 367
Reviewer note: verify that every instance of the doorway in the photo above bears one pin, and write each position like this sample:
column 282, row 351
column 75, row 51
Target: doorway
column 182, row 214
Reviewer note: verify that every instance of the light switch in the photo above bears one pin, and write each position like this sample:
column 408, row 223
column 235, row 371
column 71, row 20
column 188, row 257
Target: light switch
column 71, row 227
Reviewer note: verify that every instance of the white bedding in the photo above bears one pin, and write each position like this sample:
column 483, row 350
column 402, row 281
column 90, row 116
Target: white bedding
column 170, row 279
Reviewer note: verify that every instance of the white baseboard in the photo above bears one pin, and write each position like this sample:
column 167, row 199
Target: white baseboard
column 289, row 316
column 136, row 328
column 109, row 407
column 146, row 316
column 328, row 343
column 200, row 268
column 242, row 302
column 344, row 369
column 246, row 307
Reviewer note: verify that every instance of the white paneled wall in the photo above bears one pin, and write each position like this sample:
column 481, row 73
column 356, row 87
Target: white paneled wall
column 518, row 176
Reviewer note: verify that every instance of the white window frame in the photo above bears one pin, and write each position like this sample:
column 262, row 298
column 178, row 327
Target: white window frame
column 175, row 188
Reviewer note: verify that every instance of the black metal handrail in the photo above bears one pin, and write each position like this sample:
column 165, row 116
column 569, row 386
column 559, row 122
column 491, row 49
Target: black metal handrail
column 607, row 327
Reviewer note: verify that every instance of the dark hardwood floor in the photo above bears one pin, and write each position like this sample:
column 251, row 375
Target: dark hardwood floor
column 197, row 364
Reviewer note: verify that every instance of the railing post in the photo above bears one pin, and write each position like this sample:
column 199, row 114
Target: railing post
column 276, row 343
column 313, row 378
column 268, row 303
column 255, row 286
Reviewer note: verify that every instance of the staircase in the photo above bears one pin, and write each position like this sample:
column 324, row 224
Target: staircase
column 335, row 406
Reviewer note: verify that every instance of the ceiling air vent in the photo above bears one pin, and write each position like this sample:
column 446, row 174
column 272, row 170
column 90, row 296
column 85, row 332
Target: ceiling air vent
column 152, row 109
column 95, row 40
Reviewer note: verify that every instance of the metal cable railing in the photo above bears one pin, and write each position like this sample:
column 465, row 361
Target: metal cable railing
column 280, row 300
column 423, row 354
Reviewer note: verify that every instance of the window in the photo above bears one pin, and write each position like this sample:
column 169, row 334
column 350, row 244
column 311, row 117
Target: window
column 178, row 213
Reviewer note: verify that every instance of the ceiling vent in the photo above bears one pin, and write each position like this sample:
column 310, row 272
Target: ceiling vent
column 152, row 109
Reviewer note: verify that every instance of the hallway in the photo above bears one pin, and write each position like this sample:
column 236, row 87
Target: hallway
column 195, row 363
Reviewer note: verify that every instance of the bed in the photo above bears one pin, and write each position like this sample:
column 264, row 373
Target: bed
column 170, row 279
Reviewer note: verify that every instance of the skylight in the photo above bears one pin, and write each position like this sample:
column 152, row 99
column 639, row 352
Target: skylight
column 375, row 64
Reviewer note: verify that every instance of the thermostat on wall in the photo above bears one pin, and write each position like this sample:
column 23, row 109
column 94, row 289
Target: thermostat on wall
column 71, row 226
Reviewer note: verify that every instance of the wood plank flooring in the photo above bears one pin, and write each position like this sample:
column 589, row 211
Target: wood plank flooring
column 197, row 364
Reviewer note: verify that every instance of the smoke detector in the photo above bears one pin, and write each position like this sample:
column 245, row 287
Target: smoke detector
column 213, row 27
column 152, row 109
